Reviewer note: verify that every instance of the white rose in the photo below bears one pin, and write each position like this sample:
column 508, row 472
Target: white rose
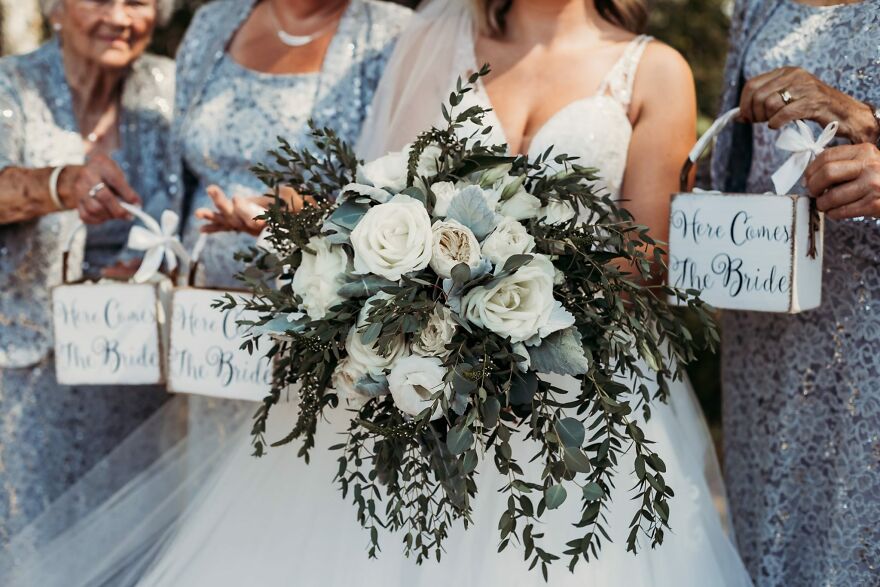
column 518, row 306
column 344, row 380
column 454, row 243
column 388, row 172
column 368, row 356
column 557, row 211
column 521, row 206
column 444, row 191
column 413, row 380
column 429, row 161
column 431, row 341
column 509, row 238
column 319, row 276
column 393, row 239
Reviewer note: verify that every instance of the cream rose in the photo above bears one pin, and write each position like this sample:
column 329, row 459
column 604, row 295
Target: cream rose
column 509, row 238
column 431, row 341
column 393, row 239
column 518, row 306
column 319, row 276
column 453, row 243
column 413, row 380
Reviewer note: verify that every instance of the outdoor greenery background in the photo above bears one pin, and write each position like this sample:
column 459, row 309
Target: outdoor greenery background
column 697, row 28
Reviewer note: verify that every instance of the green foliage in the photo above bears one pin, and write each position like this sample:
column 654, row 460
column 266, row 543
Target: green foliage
column 418, row 475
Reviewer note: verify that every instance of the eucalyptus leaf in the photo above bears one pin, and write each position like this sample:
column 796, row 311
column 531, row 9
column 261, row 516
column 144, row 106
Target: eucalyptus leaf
column 554, row 496
column 593, row 491
column 364, row 286
column 459, row 440
column 570, row 432
column 348, row 214
column 575, row 460
column 491, row 411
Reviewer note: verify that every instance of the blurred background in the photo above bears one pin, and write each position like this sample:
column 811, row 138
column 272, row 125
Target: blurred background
column 697, row 28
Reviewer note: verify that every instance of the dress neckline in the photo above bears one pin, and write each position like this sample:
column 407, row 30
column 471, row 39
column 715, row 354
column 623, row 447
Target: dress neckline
column 601, row 93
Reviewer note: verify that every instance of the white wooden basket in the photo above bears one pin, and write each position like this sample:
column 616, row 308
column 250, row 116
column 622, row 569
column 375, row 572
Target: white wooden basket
column 758, row 252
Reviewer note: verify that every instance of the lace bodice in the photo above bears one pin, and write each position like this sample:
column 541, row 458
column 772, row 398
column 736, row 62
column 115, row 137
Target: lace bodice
column 595, row 128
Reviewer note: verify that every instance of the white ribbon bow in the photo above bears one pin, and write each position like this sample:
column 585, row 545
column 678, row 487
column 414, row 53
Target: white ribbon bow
column 799, row 140
column 158, row 240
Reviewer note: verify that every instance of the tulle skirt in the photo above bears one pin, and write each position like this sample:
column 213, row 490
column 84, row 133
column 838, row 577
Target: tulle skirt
column 230, row 519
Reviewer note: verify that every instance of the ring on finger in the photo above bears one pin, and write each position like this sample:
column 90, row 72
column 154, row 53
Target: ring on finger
column 96, row 189
column 786, row 97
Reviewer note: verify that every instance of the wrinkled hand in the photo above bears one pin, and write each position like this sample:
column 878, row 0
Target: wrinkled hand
column 811, row 99
column 76, row 181
column 845, row 181
column 238, row 214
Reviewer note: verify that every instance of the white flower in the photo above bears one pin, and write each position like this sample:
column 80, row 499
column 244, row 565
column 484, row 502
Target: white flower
column 388, row 172
column 453, row 243
column 509, row 238
column 521, row 206
column 368, row 356
column 393, row 239
column 518, row 306
column 429, row 161
column 557, row 211
column 319, row 276
column 444, row 191
column 431, row 341
column 348, row 372
column 413, row 380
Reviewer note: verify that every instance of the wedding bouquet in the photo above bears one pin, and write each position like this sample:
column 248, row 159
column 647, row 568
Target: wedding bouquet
column 429, row 292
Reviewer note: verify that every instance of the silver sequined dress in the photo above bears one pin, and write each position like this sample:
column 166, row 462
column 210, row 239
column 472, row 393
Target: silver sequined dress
column 802, row 393
column 50, row 435
column 230, row 117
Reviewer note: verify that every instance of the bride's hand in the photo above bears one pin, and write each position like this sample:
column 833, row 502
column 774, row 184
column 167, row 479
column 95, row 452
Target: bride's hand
column 791, row 93
column 237, row 214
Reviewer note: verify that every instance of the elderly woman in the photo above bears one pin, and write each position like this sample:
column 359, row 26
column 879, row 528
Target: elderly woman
column 84, row 122
column 802, row 393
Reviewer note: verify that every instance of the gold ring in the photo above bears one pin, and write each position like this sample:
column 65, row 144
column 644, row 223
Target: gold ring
column 786, row 97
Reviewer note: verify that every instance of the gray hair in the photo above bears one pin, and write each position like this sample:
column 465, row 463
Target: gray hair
column 164, row 9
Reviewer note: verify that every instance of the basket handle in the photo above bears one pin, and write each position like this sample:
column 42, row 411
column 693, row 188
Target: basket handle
column 78, row 228
column 719, row 125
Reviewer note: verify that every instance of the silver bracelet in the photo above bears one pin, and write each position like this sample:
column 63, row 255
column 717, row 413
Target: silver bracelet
column 53, row 187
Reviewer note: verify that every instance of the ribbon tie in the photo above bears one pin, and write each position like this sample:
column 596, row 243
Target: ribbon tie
column 804, row 147
column 158, row 240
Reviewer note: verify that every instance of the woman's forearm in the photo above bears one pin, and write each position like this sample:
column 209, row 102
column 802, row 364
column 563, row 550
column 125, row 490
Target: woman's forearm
column 24, row 194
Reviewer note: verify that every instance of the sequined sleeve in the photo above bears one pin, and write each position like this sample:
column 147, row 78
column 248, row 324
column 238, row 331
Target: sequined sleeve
column 11, row 132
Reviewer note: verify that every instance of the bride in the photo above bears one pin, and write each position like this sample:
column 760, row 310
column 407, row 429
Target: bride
column 571, row 75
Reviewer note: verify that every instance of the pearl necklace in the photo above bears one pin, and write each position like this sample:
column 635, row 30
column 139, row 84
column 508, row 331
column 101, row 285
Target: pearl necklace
column 296, row 40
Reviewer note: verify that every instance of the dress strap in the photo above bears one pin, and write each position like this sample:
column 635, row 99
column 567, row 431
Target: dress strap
column 620, row 80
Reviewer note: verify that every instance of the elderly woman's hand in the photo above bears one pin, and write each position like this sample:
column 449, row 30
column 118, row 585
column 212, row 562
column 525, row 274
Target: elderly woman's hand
column 239, row 214
column 95, row 189
column 846, row 181
column 790, row 93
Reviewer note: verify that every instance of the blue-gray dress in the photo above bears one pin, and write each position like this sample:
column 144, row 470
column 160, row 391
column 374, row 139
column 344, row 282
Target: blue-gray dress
column 50, row 435
column 802, row 393
column 227, row 118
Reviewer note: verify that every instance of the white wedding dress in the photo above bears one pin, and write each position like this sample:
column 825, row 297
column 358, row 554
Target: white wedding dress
column 278, row 521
